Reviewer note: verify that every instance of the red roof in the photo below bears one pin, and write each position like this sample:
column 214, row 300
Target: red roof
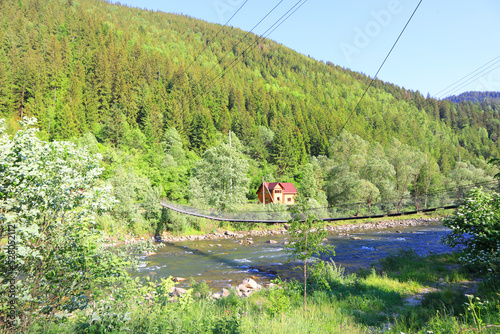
column 287, row 187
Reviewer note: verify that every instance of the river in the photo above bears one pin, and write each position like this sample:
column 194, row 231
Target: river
column 226, row 262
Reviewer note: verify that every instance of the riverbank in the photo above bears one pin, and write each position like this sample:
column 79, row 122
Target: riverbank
column 409, row 294
column 344, row 229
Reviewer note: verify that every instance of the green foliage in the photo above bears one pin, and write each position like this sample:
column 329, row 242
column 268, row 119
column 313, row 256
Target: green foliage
column 50, row 195
column 476, row 225
column 229, row 324
column 125, row 77
column 306, row 239
column 496, row 162
column 279, row 301
column 220, row 178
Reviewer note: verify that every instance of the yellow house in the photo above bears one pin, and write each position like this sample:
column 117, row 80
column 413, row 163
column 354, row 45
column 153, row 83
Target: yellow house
column 277, row 192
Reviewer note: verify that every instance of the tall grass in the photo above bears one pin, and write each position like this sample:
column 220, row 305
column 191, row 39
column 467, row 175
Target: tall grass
column 371, row 302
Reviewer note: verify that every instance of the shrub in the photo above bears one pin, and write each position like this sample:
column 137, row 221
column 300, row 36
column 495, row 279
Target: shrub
column 476, row 225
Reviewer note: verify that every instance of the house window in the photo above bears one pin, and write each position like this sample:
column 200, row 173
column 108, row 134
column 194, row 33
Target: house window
column 277, row 198
column 289, row 199
column 277, row 191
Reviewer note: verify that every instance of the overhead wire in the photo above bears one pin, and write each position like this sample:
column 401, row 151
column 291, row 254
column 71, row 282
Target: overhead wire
column 255, row 43
column 438, row 94
column 472, row 79
column 217, row 34
column 373, row 79
column 239, row 42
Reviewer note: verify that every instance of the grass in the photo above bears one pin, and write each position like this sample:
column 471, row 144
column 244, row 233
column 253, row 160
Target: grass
column 404, row 293
column 371, row 301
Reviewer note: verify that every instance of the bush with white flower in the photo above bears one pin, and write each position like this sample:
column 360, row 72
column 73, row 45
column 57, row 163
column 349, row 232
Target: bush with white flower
column 50, row 194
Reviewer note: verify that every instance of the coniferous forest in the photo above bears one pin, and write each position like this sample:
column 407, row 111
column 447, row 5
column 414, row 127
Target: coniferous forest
column 126, row 76
column 153, row 92
column 105, row 109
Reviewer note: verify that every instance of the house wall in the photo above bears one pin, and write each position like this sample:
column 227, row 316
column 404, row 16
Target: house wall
column 277, row 195
column 289, row 199
column 268, row 198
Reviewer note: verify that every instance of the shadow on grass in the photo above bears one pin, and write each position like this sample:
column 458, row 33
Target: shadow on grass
column 367, row 303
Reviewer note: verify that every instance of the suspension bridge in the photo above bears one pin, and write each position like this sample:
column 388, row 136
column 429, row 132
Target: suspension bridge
column 409, row 205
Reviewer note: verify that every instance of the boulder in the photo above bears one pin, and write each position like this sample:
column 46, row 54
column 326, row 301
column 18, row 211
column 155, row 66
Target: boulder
column 243, row 288
column 177, row 291
column 250, row 283
column 178, row 279
column 272, row 242
column 224, row 292
column 237, row 291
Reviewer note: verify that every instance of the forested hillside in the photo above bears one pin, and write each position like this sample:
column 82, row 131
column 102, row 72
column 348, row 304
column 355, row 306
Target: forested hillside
column 152, row 92
column 476, row 97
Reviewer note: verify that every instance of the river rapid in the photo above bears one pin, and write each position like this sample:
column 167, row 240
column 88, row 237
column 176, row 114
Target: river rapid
column 224, row 262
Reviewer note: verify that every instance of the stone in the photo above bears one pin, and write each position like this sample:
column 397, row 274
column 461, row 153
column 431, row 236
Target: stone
column 250, row 283
column 177, row 291
column 272, row 242
column 243, row 288
column 225, row 292
column 236, row 290
column 355, row 238
column 178, row 279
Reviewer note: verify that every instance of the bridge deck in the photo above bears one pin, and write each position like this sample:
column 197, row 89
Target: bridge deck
column 236, row 220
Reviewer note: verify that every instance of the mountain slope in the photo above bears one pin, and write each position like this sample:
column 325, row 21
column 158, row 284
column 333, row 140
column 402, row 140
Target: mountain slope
column 92, row 66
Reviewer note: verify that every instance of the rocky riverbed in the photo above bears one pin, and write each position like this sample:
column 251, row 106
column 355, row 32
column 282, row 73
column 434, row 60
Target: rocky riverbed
column 342, row 230
column 224, row 258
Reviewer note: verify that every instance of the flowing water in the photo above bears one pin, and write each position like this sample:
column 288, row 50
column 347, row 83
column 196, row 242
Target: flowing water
column 226, row 262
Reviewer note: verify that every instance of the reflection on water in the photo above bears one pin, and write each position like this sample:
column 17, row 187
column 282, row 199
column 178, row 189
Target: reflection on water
column 228, row 263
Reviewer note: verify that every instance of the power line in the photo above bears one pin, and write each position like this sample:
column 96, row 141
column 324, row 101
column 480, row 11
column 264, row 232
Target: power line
column 213, row 38
column 464, row 77
column 285, row 19
column 227, row 53
column 472, row 79
column 373, row 79
column 255, row 43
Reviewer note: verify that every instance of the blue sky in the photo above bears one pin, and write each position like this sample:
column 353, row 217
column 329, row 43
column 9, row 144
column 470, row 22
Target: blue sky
column 445, row 41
